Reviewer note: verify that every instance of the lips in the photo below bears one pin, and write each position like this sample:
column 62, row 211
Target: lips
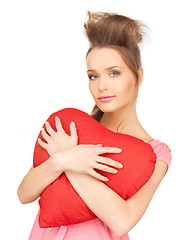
column 106, row 97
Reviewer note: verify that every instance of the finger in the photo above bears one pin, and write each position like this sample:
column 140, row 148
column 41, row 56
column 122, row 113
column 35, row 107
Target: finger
column 109, row 150
column 59, row 125
column 105, row 168
column 90, row 145
column 45, row 135
column 97, row 175
column 73, row 131
column 42, row 144
column 110, row 162
column 49, row 128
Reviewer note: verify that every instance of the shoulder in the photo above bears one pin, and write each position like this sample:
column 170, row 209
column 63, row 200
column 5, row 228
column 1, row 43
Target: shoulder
column 162, row 151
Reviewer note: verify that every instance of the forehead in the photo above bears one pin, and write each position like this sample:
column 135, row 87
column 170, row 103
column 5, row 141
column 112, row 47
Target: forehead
column 103, row 58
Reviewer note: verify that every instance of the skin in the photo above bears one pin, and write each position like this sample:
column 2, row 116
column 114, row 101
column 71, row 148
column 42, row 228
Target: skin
column 77, row 162
column 119, row 114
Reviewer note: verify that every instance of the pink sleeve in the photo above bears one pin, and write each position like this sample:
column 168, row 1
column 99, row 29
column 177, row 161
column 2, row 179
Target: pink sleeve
column 163, row 152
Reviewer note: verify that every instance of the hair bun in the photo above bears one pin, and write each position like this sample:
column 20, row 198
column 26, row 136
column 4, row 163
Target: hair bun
column 103, row 28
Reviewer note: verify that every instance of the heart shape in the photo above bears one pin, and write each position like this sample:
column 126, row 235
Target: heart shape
column 60, row 204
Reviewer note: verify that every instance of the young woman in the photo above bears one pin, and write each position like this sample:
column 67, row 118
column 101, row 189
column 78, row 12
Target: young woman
column 115, row 74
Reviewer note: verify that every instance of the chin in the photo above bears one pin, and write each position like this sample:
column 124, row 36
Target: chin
column 107, row 108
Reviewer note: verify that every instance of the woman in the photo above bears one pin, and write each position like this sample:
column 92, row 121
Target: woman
column 114, row 70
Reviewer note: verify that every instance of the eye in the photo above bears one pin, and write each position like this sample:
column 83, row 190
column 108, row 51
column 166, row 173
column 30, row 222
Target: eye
column 115, row 72
column 90, row 77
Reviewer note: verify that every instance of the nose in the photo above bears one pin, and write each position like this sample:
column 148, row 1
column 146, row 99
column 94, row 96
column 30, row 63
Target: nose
column 102, row 84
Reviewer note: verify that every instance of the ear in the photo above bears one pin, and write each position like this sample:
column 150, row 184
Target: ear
column 140, row 79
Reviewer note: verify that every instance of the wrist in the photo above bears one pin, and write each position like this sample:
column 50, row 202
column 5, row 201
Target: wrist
column 58, row 162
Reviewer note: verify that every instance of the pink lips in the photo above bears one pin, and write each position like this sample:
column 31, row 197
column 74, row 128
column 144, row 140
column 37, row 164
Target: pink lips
column 106, row 98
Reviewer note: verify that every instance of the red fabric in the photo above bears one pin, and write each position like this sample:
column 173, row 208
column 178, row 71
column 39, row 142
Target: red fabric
column 60, row 204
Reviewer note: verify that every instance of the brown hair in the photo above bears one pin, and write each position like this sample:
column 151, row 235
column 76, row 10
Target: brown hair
column 119, row 32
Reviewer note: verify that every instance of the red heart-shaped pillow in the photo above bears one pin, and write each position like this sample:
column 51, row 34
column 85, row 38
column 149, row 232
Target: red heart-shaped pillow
column 60, row 204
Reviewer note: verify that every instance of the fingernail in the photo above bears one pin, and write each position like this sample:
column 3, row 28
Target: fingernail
column 73, row 123
column 119, row 150
column 120, row 165
column 106, row 179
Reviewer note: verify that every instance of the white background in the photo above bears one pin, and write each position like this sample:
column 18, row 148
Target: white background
column 43, row 69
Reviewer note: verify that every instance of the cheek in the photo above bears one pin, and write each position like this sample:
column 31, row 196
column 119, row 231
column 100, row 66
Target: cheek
column 126, row 88
column 92, row 89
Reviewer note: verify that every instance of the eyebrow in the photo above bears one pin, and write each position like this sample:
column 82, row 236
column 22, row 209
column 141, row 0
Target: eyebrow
column 90, row 70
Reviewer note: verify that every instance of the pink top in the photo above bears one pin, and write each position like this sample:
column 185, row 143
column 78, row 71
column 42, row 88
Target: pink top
column 94, row 229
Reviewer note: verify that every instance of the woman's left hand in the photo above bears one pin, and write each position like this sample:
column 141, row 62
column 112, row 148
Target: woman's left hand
column 58, row 141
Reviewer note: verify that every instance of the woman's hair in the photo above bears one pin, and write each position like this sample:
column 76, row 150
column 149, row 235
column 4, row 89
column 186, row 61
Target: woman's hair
column 119, row 32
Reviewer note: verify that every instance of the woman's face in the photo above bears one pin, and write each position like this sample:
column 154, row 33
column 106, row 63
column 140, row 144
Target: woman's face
column 109, row 75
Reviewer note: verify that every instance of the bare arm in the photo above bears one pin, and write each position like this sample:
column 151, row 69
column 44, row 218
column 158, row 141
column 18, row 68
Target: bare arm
column 118, row 214
column 37, row 179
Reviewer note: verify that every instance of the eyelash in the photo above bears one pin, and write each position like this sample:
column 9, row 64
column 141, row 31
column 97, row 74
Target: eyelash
column 110, row 73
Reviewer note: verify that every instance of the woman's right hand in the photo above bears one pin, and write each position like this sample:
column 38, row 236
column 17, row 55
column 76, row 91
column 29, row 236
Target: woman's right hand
column 84, row 158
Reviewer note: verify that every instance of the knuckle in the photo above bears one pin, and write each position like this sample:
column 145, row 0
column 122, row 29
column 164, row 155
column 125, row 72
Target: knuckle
column 105, row 168
column 110, row 161
column 103, row 178
column 92, row 164
column 102, row 149
column 114, row 163
column 109, row 169
column 52, row 137
column 98, row 176
column 90, row 154
column 84, row 170
column 105, row 160
column 90, row 171
column 112, row 170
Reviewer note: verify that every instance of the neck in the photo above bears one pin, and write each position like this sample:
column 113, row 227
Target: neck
column 123, row 120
